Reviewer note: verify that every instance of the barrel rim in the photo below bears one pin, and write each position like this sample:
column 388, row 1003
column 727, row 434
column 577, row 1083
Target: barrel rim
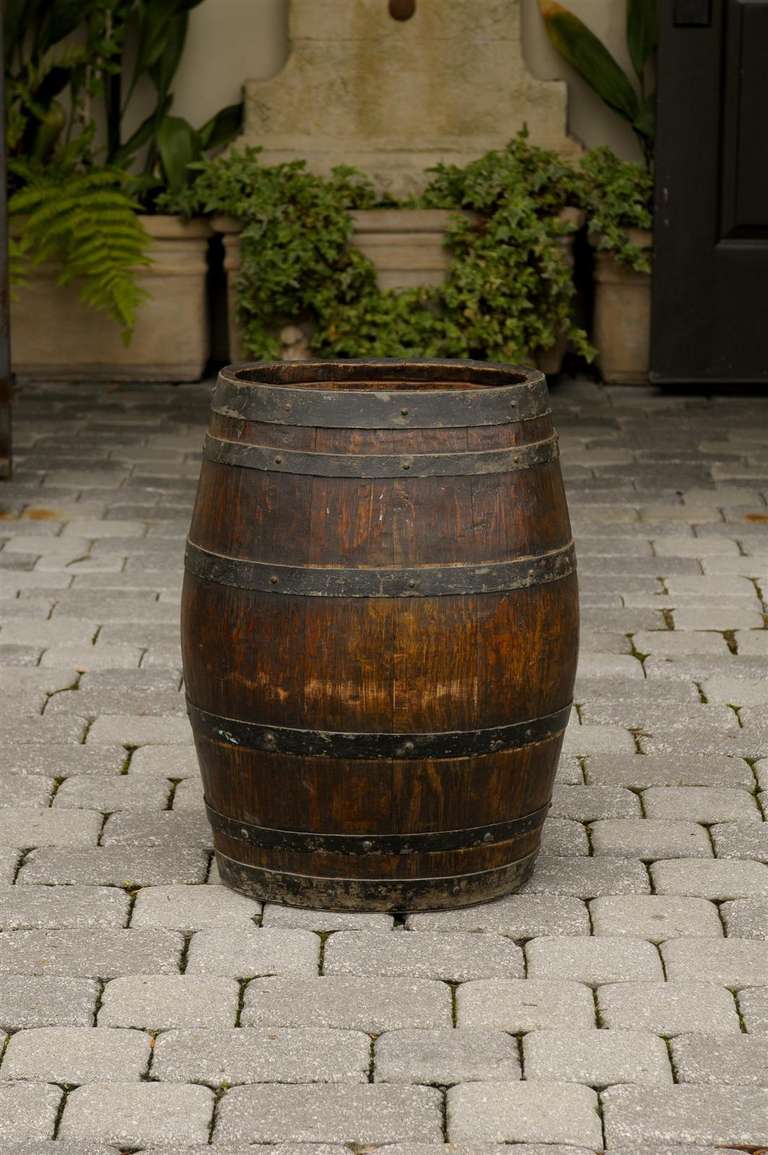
column 300, row 374
column 287, row 393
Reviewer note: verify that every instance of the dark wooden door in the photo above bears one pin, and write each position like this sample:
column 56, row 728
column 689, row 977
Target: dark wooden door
column 710, row 302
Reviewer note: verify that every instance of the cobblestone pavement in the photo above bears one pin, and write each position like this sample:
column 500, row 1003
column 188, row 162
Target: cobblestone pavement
column 620, row 1002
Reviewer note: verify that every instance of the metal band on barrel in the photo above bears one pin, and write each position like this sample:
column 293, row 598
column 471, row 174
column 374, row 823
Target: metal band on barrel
column 308, row 842
column 392, row 894
column 356, row 466
column 334, row 744
column 412, row 582
column 273, row 393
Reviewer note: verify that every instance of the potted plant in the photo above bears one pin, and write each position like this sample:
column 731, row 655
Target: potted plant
column 85, row 223
column 495, row 278
column 618, row 200
column 617, row 195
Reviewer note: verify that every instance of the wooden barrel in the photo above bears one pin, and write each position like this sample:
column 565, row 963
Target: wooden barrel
column 379, row 630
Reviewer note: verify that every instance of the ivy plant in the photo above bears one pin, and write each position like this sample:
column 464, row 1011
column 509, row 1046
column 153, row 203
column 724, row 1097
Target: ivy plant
column 509, row 293
column 617, row 196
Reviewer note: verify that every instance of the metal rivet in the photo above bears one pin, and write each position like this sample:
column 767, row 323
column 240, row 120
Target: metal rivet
column 408, row 747
column 278, row 461
column 270, row 739
column 411, row 584
column 488, row 837
column 274, row 579
column 366, row 845
column 406, row 465
column 404, row 412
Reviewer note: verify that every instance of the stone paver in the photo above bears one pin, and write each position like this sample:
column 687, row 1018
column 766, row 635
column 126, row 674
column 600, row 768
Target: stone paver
column 25, row 827
column 685, row 1114
column 524, row 1005
column 62, row 908
column 119, row 792
column 649, row 839
column 37, row 1001
column 722, row 879
column 659, row 770
column 247, row 953
column 159, row 1002
column 596, row 1058
column 753, row 1004
column 588, row 803
column 522, row 1113
column 588, row 877
column 446, row 1056
column 593, row 960
column 519, row 916
column 77, row 1055
column 24, row 790
column 655, row 917
column 741, row 840
column 58, row 760
column 745, row 918
column 190, row 908
column 718, row 1059
column 670, row 1008
column 423, row 954
column 100, row 953
column 28, row 1109
column 647, row 855
column 294, row 918
column 253, row 1055
column 327, row 1114
column 699, row 804
column 136, row 1115
column 116, row 866
column 727, row 962
column 159, row 828
column 357, row 1004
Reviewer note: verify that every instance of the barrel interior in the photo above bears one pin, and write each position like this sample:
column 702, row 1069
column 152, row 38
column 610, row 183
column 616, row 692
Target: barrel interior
column 379, row 629
column 369, row 376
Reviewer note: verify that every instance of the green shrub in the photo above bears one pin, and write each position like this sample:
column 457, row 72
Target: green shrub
column 509, row 293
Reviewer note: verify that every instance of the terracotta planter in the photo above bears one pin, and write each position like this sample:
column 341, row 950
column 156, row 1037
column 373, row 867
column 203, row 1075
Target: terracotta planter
column 56, row 337
column 408, row 250
column 622, row 321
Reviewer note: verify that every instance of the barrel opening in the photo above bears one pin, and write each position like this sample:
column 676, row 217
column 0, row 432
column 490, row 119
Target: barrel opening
column 391, row 375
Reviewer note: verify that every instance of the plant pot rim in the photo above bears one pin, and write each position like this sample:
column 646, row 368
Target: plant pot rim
column 171, row 226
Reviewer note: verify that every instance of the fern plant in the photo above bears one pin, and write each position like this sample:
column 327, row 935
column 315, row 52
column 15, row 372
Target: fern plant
column 86, row 223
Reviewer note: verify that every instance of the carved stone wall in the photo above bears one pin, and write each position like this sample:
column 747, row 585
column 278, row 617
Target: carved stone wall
column 393, row 97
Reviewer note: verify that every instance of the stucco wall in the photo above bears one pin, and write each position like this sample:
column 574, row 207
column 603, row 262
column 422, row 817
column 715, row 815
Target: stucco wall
column 231, row 40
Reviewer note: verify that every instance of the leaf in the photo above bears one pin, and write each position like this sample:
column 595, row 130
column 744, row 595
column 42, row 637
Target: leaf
column 163, row 69
column 161, row 32
column 580, row 48
column 49, row 131
column 644, row 123
column 16, row 21
column 178, row 145
column 641, row 33
column 222, row 128
column 143, row 134
column 61, row 18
